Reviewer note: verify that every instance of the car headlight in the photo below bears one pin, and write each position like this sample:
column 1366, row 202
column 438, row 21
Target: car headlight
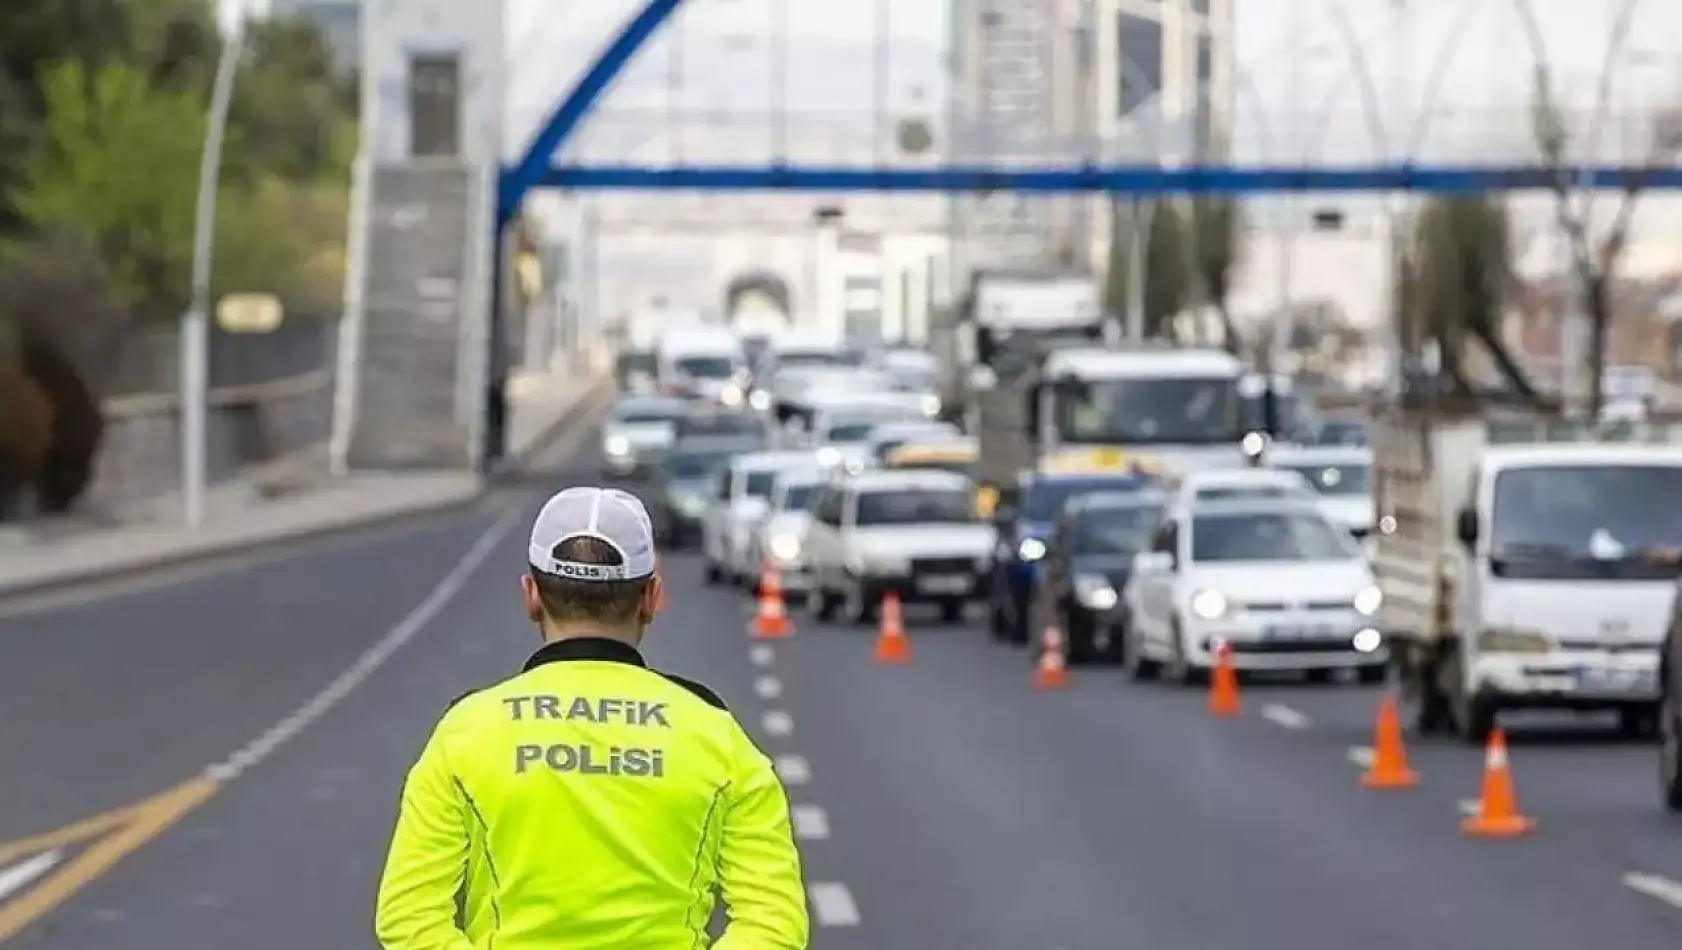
column 1368, row 600
column 1095, row 592
column 785, row 547
column 731, row 395
column 1209, row 605
column 617, row 445
column 1031, row 549
column 931, row 406
column 760, row 400
column 1514, row 641
column 829, row 455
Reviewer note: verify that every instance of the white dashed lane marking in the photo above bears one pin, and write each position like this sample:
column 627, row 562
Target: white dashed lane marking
column 1284, row 716
column 811, row 823
column 1470, row 807
column 777, row 723
column 762, row 655
column 768, row 687
column 1360, row 755
column 793, row 769
column 1659, row 888
column 19, row 876
column 833, row 905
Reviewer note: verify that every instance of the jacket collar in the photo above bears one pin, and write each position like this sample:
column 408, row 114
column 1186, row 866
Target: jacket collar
column 585, row 648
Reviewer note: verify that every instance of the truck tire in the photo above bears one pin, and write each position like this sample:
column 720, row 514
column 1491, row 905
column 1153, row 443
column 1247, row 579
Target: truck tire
column 1670, row 757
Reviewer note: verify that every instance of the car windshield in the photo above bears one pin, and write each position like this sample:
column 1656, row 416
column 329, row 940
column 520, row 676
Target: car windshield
column 759, row 484
column 1617, row 522
column 706, row 367
column 1114, row 530
column 692, row 465
column 1189, row 411
column 720, row 424
column 1045, row 501
column 956, row 466
column 1336, row 479
column 648, row 415
column 914, row 506
column 797, row 497
column 1342, row 432
column 1268, row 536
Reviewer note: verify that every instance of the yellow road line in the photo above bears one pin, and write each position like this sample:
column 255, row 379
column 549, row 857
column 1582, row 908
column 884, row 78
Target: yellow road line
column 124, row 830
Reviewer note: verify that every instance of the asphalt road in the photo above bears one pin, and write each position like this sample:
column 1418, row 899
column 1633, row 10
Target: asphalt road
column 944, row 804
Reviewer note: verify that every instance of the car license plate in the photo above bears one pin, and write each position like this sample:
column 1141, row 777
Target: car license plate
column 944, row 584
column 1613, row 679
column 1296, row 632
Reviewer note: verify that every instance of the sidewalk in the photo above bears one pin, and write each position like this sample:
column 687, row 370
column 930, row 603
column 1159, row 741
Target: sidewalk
column 291, row 501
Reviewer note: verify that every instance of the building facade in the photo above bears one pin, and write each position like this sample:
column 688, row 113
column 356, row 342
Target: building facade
column 1163, row 90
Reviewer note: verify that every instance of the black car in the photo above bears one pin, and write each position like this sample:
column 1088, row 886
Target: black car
column 1670, row 714
column 1087, row 560
column 688, row 482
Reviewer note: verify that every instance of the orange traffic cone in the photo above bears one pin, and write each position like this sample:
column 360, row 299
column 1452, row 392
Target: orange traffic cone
column 1052, row 671
column 892, row 646
column 1497, row 815
column 1389, row 768
column 1223, row 686
column 771, row 621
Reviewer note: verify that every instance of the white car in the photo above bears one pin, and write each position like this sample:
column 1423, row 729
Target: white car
column 1194, row 489
column 781, row 538
column 912, row 532
column 732, row 517
column 1340, row 474
column 1282, row 586
column 841, row 430
column 636, row 438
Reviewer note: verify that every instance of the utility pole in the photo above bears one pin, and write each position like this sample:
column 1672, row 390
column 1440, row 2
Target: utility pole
column 195, row 324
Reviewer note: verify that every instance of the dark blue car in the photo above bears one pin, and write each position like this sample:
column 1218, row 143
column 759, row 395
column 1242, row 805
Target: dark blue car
column 1024, row 516
column 1086, row 567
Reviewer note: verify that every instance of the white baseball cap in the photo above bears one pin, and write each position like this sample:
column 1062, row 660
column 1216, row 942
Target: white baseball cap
column 613, row 517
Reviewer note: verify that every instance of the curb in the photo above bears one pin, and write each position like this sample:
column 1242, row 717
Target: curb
column 578, row 413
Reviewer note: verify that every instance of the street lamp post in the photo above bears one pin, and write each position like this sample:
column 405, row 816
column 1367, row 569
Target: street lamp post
column 195, row 324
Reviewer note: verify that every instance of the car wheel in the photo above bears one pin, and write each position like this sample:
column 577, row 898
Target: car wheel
column 1180, row 671
column 1140, row 668
column 822, row 604
column 712, row 574
column 952, row 611
column 1638, row 722
column 1375, row 675
column 1077, row 638
column 857, row 606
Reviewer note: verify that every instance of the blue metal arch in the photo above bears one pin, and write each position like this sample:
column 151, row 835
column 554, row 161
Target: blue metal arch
column 528, row 173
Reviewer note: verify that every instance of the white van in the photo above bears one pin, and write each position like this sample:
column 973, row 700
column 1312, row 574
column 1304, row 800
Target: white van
column 703, row 361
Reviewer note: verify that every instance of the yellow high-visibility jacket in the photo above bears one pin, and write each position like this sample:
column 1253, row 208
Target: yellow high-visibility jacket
column 591, row 803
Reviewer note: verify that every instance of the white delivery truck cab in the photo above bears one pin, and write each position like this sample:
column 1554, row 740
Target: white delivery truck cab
column 1520, row 573
column 703, row 361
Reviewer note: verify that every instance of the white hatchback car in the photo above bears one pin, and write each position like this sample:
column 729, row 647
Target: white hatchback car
column 1274, row 579
column 741, row 500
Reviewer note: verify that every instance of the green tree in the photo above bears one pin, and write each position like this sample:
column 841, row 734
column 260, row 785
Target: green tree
column 1217, row 224
column 1451, row 288
column 1168, row 272
column 117, row 167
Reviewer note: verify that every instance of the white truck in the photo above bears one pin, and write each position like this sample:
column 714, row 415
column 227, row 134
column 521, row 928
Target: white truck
column 1522, row 566
column 991, row 348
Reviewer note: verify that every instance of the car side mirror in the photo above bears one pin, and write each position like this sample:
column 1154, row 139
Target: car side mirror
column 1466, row 527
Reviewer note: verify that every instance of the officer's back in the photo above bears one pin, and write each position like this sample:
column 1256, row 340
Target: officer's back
column 590, row 802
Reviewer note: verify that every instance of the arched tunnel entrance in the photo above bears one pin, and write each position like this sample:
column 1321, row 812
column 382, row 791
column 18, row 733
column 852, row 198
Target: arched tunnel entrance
column 759, row 301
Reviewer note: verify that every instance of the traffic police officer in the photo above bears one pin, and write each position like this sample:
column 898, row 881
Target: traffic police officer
column 590, row 801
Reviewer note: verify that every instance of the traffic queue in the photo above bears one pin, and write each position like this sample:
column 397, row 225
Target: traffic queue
column 840, row 475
